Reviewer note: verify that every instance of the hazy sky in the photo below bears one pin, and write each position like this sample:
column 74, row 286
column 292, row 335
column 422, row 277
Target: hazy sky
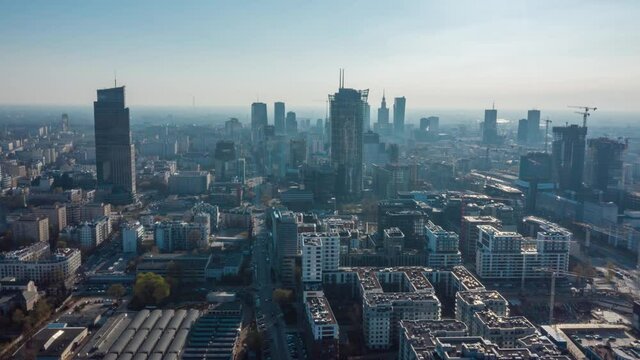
column 456, row 54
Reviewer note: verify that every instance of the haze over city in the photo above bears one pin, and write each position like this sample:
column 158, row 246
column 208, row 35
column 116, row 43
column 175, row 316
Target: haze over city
column 448, row 55
column 336, row 180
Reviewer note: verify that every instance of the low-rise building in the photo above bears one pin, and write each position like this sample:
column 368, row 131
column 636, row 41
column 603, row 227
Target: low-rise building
column 417, row 337
column 470, row 302
column 501, row 330
column 324, row 331
column 39, row 264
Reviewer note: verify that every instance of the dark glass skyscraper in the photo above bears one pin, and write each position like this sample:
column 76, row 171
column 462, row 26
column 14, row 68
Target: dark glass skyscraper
column 533, row 122
column 278, row 117
column 347, row 116
column 399, row 105
column 115, row 161
column 568, row 154
column 490, row 127
column 259, row 120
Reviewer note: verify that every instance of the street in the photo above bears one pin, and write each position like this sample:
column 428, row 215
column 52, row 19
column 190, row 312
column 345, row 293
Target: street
column 274, row 324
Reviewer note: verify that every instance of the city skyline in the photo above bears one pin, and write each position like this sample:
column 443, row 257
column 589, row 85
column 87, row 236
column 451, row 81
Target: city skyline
column 522, row 54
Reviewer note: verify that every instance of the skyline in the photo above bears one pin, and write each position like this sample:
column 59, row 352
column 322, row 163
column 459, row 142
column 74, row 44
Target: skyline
column 522, row 55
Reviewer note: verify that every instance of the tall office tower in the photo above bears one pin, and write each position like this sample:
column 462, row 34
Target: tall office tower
column 383, row 116
column 523, row 131
column 568, row 153
column 297, row 152
column 347, row 115
column 291, row 124
column 366, row 124
column 278, row 117
column 490, row 127
column 399, row 105
column 115, row 152
column 285, row 245
column 535, row 172
column 64, row 122
column 533, row 120
column 604, row 164
column 259, row 121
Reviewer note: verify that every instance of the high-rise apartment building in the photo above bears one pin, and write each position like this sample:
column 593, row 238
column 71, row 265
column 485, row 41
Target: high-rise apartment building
column 490, row 126
column 347, row 116
column 31, row 228
column 320, row 254
column 399, row 105
column 442, row 247
column 568, row 155
column 115, row 153
column 278, row 117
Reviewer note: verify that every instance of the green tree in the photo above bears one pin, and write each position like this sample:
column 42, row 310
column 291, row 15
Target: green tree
column 282, row 296
column 116, row 291
column 150, row 289
column 18, row 317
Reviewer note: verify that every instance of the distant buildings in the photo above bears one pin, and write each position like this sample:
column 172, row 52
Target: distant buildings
column 604, row 163
column 115, row 153
column 533, row 126
column 291, row 124
column 39, row 264
column 172, row 236
column 399, row 105
column 382, row 126
column 189, row 182
column 278, row 117
column 347, row 116
column 469, row 233
column 490, row 127
column 31, row 228
column 285, row 244
column 132, row 234
column 259, row 121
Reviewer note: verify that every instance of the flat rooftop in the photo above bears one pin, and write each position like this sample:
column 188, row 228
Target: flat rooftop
column 320, row 310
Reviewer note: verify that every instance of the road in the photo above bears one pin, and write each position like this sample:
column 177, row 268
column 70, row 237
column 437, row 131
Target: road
column 274, row 324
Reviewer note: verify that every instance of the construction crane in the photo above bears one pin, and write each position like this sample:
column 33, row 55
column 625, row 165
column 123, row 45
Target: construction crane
column 585, row 114
column 554, row 274
column 546, row 135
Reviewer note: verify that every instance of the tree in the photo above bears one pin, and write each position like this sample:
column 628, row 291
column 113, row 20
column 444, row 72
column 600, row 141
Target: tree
column 150, row 289
column 18, row 317
column 116, row 291
column 282, row 296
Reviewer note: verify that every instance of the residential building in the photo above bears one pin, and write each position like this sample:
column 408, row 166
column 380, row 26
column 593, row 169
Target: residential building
column 469, row 233
column 324, row 332
column 442, row 247
column 39, row 264
column 470, row 302
column 30, row 228
column 189, row 182
column 172, row 236
column 132, row 234
column 320, row 253
column 417, row 337
column 504, row 331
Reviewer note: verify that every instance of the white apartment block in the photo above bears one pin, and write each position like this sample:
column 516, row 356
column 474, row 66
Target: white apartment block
column 507, row 255
column 501, row 330
column 470, row 302
column 442, row 247
column 38, row 264
column 320, row 253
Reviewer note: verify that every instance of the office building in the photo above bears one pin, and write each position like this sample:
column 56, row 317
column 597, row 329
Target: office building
column 383, row 117
column 523, row 131
column 132, row 234
column 291, row 124
column 409, row 216
column 399, row 105
column 30, row 228
column 189, row 182
column 115, row 153
column 297, row 153
column 285, row 245
column 366, row 124
column 347, row 115
column 469, row 233
column 533, row 126
column 172, row 236
column 393, row 241
column 605, row 164
column 535, row 174
column 568, row 156
column 490, row 127
column 374, row 151
column 442, row 247
column 224, row 158
column 278, row 117
column 259, row 121
column 39, row 264
column 430, row 124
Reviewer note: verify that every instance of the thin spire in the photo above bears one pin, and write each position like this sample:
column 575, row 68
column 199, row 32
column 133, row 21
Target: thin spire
column 115, row 78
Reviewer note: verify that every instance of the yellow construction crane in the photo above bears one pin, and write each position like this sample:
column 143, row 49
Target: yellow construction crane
column 585, row 114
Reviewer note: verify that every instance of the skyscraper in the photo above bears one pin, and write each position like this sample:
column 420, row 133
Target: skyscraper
column 347, row 115
column 383, row 116
column 490, row 127
column 115, row 154
column 568, row 152
column 278, row 117
column 366, row 125
column 605, row 164
column 523, row 131
column 399, row 104
column 259, row 120
column 533, row 122
column 291, row 124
